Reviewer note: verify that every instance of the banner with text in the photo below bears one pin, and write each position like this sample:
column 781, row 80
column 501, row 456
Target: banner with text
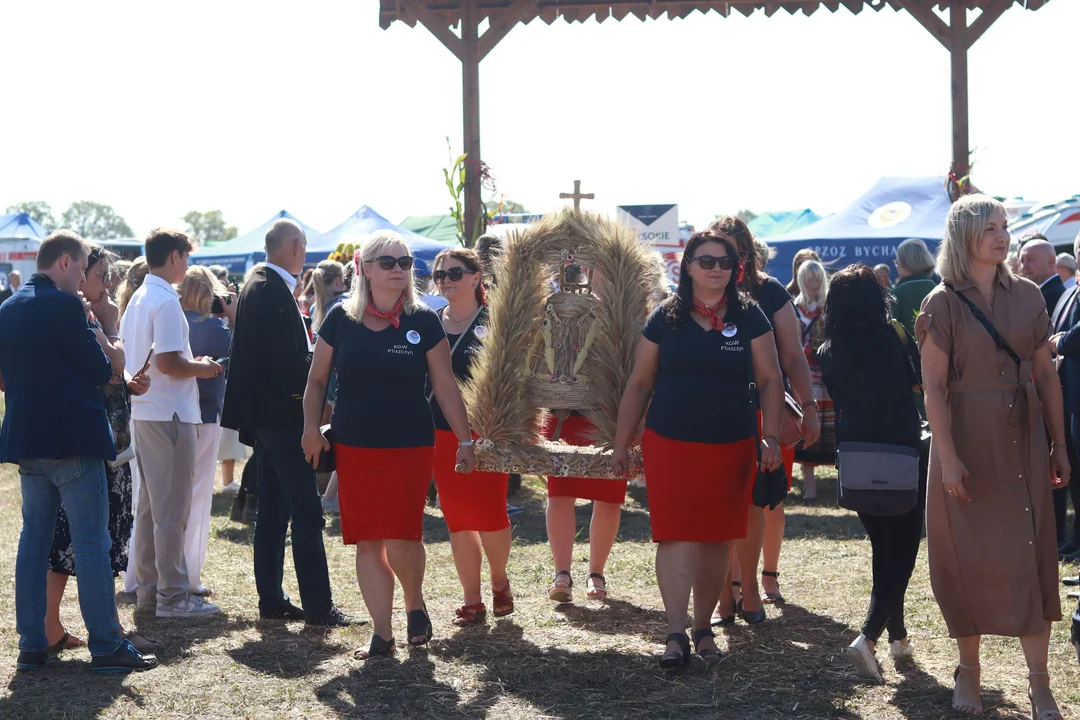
column 658, row 226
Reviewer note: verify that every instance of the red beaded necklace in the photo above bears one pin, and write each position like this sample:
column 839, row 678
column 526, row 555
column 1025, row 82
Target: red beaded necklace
column 709, row 313
column 393, row 316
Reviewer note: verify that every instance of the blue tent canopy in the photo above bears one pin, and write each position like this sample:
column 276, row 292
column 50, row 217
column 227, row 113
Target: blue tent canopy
column 21, row 226
column 240, row 253
column 361, row 225
column 869, row 229
column 768, row 224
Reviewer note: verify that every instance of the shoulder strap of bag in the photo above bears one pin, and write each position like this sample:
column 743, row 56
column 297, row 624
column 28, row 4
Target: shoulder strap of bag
column 981, row 317
column 453, row 348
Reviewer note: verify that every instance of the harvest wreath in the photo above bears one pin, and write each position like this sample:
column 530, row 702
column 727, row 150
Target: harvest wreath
column 573, row 294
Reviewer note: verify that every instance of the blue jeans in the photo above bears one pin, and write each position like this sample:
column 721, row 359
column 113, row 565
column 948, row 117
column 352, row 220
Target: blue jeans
column 81, row 484
column 288, row 491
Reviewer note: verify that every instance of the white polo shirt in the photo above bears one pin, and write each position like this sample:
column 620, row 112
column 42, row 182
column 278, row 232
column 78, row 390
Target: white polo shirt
column 155, row 319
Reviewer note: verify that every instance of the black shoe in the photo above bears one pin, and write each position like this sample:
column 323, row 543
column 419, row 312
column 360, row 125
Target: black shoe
column 236, row 513
column 672, row 659
column 1070, row 546
column 123, row 659
column 1073, row 557
column 334, row 618
column 710, row 654
column 31, row 660
column 1070, row 581
column 251, row 509
column 288, row 611
column 753, row 617
column 419, row 625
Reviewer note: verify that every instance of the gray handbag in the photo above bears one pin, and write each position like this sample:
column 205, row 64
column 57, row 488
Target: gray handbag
column 877, row 478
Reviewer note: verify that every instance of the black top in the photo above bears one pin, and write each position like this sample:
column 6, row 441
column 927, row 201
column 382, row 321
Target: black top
column 703, row 381
column 1052, row 292
column 381, row 401
column 461, row 360
column 268, row 361
column 772, row 296
column 869, row 375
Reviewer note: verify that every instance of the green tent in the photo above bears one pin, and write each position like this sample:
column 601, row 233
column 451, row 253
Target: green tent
column 437, row 227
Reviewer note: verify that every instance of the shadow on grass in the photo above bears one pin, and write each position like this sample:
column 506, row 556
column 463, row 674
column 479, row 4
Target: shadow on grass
column 179, row 635
column 398, row 686
column 284, row 654
column 27, row 691
column 919, row 694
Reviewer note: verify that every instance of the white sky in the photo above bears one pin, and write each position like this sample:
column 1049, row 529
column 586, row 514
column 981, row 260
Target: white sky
column 250, row 107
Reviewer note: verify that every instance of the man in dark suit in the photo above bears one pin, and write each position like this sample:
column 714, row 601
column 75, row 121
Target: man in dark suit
column 1065, row 343
column 56, row 429
column 14, row 282
column 264, row 393
column 1038, row 263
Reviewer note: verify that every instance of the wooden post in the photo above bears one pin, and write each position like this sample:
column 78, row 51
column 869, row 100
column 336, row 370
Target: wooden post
column 961, row 139
column 470, row 89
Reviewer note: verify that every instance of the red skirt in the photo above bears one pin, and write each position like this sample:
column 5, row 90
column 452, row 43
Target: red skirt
column 476, row 501
column 787, row 454
column 381, row 492
column 575, row 431
column 698, row 492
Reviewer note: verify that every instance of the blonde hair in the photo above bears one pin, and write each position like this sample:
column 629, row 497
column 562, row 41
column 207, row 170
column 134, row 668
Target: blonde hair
column 133, row 280
column 378, row 244
column 966, row 223
column 321, row 279
column 198, row 290
column 809, row 269
column 914, row 257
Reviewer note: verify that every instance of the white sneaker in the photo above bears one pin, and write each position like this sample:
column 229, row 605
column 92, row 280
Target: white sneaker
column 866, row 665
column 898, row 650
column 190, row 606
column 231, row 489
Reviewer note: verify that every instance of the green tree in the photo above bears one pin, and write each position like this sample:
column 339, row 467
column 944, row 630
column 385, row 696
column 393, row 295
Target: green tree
column 38, row 210
column 208, row 227
column 95, row 221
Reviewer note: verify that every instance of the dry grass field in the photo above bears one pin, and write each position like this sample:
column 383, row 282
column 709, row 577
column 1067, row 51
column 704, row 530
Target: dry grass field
column 589, row 660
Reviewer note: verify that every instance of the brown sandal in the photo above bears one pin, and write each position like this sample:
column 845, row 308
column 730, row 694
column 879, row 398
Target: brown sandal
column 470, row 614
column 502, row 601
column 597, row 587
column 561, row 590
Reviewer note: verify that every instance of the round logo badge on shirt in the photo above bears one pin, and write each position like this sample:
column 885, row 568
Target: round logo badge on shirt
column 413, row 337
column 729, row 330
column 480, row 331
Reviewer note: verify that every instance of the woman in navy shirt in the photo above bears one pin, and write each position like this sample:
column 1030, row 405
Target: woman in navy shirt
column 383, row 343
column 700, row 445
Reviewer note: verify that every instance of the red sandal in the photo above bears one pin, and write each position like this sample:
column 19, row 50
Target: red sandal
column 470, row 614
column 502, row 601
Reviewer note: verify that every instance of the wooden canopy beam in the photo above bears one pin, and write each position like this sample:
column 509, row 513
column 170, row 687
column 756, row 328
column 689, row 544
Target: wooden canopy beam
column 437, row 26
column 923, row 11
column 961, row 141
column 519, row 11
column 474, row 225
column 988, row 17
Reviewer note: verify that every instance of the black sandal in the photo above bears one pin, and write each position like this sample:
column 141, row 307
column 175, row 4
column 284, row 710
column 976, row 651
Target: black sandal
column 671, row 659
column 772, row 598
column 709, row 654
column 419, row 625
column 377, row 647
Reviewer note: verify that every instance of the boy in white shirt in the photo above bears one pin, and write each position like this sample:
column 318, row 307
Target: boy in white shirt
column 166, row 419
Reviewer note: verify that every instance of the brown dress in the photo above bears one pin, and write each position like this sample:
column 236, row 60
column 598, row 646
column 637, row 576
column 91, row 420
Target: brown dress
column 993, row 560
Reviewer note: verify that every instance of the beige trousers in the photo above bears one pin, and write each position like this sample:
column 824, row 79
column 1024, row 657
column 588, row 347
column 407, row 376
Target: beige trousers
column 165, row 452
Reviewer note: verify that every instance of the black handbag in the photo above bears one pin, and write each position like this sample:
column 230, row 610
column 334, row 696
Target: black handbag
column 770, row 486
column 327, row 461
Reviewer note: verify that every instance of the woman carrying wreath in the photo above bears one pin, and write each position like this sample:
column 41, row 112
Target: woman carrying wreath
column 474, row 506
column 700, row 447
column 383, row 343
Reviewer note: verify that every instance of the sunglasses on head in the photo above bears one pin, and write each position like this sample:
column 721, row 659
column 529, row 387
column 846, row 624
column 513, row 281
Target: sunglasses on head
column 453, row 274
column 708, row 262
column 386, row 262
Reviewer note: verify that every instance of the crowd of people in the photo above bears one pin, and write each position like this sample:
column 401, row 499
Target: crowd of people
column 160, row 370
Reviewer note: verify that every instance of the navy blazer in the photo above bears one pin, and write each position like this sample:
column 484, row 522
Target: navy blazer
column 52, row 365
column 1066, row 319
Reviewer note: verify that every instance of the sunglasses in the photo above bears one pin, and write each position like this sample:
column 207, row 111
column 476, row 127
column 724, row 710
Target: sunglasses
column 453, row 274
column 708, row 262
column 386, row 262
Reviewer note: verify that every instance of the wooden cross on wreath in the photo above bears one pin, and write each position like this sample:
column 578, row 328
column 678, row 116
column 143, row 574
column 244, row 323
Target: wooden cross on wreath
column 577, row 196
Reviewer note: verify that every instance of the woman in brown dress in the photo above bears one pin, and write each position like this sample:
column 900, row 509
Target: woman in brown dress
column 989, row 511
